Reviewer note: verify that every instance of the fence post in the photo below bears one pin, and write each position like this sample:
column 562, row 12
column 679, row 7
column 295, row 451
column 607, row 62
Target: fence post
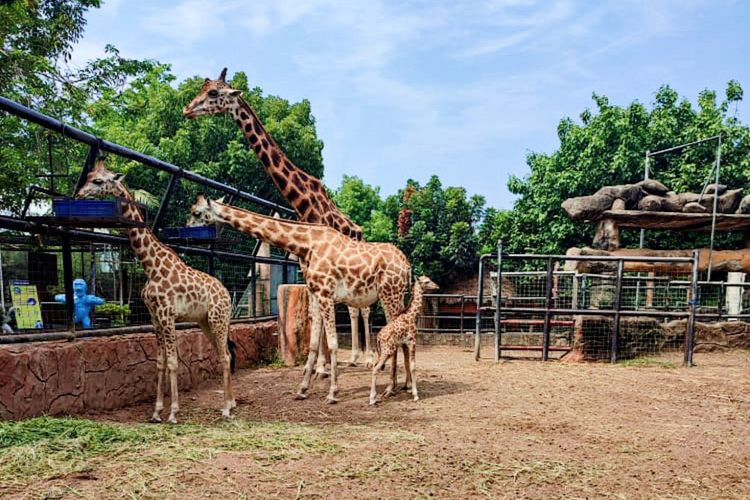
column 159, row 218
column 461, row 320
column 693, row 304
column 68, row 283
column 499, row 298
column 547, row 313
column 478, row 326
column 618, row 306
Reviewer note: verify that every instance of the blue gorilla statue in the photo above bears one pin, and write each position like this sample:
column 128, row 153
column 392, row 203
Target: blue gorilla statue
column 83, row 303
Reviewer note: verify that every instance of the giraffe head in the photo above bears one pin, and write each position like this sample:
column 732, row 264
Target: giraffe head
column 426, row 284
column 101, row 182
column 203, row 212
column 215, row 96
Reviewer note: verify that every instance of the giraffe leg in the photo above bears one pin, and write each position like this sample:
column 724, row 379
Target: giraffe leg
column 320, row 367
column 369, row 356
column 218, row 324
column 329, row 320
column 356, row 350
column 314, row 343
column 413, row 370
column 382, row 358
column 394, row 367
column 173, row 364
column 161, row 366
column 407, row 368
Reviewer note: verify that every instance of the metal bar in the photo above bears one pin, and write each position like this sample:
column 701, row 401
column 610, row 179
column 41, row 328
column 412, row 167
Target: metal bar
column 713, row 214
column 552, row 348
column 618, row 307
column 690, row 332
column 480, row 294
column 499, row 298
column 597, row 312
column 645, row 177
column 547, row 314
column 88, row 166
column 91, row 236
column 31, row 115
column 682, row 146
column 173, row 179
column 68, row 284
column 595, row 258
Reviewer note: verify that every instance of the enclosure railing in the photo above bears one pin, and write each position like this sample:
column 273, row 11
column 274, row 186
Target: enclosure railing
column 557, row 299
column 212, row 260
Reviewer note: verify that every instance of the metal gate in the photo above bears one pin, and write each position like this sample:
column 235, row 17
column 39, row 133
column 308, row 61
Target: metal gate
column 586, row 307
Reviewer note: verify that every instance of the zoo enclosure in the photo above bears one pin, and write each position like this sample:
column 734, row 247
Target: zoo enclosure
column 46, row 249
column 590, row 307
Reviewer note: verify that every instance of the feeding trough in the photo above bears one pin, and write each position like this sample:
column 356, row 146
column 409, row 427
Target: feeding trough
column 91, row 213
column 193, row 233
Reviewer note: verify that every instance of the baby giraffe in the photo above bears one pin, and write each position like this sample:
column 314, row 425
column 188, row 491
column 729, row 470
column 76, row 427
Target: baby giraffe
column 401, row 330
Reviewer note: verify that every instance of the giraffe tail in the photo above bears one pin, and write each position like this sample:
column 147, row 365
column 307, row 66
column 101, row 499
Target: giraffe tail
column 232, row 355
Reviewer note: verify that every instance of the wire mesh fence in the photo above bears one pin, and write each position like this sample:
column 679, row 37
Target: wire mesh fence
column 587, row 308
column 110, row 278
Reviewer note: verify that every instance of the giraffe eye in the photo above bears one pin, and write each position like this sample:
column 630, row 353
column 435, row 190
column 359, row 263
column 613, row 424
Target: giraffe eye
column 213, row 93
column 98, row 182
column 196, row 214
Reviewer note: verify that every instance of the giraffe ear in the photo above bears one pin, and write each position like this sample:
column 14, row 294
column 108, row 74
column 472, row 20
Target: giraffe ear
column 220, row 200
column 223, row 75
column 119, row 176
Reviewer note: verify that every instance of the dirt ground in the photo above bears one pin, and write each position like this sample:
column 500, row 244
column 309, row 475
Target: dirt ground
column 513, row 429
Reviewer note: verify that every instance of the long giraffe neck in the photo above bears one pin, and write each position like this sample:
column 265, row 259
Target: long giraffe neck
column 147, row 247
column 295, row 238
column 305, row 193
column 415, row 306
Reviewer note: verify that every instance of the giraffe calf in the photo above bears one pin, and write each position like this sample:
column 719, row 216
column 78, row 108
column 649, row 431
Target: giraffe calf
column 401, row 331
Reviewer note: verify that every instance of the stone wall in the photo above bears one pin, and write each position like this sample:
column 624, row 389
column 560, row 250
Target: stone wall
column 62, row 377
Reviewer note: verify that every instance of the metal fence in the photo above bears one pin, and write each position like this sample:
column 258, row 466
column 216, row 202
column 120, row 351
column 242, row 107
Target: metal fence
column 42, row 256
column 586, row 307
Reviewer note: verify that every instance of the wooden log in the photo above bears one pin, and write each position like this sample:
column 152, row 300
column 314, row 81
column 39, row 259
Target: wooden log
column 722, row 260
column 607, row 232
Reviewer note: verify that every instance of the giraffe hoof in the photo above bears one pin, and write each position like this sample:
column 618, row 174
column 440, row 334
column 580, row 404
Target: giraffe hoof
column 300, row 396
column 373, row 402
column 323, row 374
column 172, row 419
column 155, row 419
column 416, row 398
column 386, row 394
column 405, row 388
column 233, row 403
column 331, row 401
column 227, row 416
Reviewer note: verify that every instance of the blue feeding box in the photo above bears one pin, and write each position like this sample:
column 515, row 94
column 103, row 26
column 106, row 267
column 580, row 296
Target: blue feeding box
column 191, row 232
column 65, row 208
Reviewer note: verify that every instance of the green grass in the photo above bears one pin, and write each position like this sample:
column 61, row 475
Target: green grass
column 648, row 363
column 46, row 448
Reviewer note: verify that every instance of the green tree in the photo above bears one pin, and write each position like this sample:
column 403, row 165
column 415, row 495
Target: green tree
column 607, row 147
column 36, row 39
column 362, row 203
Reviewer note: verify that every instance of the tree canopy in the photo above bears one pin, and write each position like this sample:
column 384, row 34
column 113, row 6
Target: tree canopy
column 607, row 147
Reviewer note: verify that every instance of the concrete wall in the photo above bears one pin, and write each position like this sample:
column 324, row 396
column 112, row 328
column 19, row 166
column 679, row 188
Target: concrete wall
column 62, row 377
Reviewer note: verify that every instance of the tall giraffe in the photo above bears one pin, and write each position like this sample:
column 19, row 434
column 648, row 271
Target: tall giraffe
column 174, row 292
column 305, row 193
column 337, row 269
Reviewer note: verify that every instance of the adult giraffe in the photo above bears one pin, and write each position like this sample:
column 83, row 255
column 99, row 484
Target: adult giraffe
column 337, row 270
column 306, row 194
column 174, row 292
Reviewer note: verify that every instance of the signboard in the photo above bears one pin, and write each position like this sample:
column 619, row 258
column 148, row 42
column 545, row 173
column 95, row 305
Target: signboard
column 26, row 303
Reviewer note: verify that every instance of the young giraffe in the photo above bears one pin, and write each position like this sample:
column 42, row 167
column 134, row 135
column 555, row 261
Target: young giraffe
column 401, row 330
column 305, row 193
column 337, row 269
column 174, row 292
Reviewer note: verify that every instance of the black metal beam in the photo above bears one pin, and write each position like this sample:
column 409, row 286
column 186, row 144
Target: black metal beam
column 15, row 224
column 45, row 121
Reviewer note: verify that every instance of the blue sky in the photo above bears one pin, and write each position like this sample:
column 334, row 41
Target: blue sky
column 462, row 89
